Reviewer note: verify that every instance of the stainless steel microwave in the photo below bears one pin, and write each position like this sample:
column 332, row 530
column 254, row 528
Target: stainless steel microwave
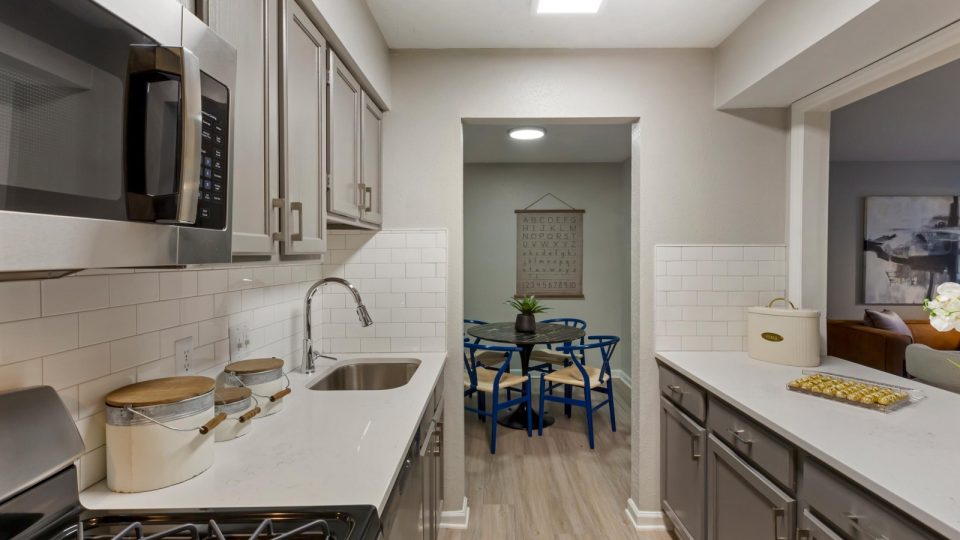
column 115, row 137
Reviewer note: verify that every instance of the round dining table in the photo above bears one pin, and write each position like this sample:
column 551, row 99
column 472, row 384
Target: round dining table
column 505, row 332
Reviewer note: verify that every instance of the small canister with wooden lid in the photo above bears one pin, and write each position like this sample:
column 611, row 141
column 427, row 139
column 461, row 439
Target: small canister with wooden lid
column 239, row 406
column 265, row 379
column 158, row 432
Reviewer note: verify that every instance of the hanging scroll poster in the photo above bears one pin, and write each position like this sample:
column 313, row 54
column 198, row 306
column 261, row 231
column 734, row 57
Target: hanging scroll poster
column 550, row 253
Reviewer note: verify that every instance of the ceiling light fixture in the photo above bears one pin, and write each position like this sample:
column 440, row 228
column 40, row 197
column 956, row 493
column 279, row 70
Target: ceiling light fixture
column 527, row 133
column 550, row 7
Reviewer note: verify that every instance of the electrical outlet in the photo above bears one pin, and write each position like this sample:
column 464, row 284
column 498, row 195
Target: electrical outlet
column 239, row 341
column 184, row 352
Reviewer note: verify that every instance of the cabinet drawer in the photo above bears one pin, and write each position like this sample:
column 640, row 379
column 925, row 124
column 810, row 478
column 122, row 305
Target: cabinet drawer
column 852, row 511
column 767, row 451
column 688, row 396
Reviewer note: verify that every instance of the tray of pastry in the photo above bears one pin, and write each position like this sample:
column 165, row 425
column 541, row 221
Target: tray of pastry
column 855, row 391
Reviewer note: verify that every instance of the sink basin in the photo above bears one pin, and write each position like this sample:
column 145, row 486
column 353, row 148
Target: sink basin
column 368, row 375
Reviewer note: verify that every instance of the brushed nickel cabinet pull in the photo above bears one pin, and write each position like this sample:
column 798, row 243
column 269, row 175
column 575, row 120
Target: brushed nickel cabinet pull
column 368, row 202
column 298, row 208
column 695, row 448
column 675, row 389
column 855, row 521
column 738, row 436
column 276, row 204
column 778, row 515
column 803, row 533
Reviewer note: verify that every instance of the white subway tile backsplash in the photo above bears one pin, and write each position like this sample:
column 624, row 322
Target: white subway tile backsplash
column 742, row 268
column 92, row 393
column 158, row 315
column 178, row 285
column 136, row 288
column 702, row 292
column 89, row 334
column 76, row 366
column 20, row 374
column 134, row 351
column 696, row 253
column 70, row 294
column 728, row 253
column 23, row 340
column 19, row 300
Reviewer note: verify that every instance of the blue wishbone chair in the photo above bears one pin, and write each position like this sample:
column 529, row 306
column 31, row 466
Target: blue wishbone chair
column 479, row 380
column 549, row 360
column 487, row 358
column 590, row 379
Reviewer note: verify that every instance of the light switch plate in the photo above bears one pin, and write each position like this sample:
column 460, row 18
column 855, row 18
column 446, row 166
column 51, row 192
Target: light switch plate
column 239, row 341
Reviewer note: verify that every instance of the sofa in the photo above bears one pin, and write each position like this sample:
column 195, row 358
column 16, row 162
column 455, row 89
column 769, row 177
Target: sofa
column 883, row 349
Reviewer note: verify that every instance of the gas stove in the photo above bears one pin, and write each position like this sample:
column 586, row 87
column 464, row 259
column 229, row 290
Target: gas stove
column 39, row 499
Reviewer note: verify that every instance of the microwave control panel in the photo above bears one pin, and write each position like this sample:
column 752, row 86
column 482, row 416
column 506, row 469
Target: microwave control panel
column 212, row 206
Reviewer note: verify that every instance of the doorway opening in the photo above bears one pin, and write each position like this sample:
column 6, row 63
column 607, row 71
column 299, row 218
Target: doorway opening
column 549, row 215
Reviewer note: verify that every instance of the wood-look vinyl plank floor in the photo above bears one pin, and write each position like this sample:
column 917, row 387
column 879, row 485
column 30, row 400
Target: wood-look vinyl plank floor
column 551, row 487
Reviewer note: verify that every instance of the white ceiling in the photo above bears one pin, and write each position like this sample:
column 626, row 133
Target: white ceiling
column 916, row 120
column 483, row 24
column 566, row 143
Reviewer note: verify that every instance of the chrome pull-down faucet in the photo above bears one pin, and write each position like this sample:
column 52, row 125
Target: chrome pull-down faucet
column 309, row 355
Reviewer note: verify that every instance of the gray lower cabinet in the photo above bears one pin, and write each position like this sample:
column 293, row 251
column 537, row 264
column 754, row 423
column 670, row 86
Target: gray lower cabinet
column 742, row 504
column 811, row 528
column 683, row 471
column 412, row 511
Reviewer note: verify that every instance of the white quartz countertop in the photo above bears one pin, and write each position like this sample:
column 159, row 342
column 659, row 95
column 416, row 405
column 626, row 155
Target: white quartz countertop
column 324, row 448
column 909, row 457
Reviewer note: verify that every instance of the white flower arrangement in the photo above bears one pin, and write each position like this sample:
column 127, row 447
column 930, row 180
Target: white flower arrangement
column 944, row 310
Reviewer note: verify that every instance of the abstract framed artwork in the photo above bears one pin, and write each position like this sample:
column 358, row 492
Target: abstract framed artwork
column 910, row 247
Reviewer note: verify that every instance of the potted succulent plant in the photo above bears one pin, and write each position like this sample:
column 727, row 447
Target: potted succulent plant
column 528, row 307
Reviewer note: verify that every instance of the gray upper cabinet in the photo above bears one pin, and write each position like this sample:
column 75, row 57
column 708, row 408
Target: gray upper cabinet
column 302, row 133
column 742, row 504
column 252, row 27
column 346, row 101
column 683, row 471
column 371, row 161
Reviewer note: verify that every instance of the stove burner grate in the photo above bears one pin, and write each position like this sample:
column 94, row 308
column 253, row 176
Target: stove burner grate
column 264, row 531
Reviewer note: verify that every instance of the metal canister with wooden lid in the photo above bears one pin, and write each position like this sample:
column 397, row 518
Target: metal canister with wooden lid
column 265, row 379
column 240, row 407
column 158, row 432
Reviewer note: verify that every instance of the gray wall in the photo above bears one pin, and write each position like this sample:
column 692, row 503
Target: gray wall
column 491, row 194
column 850, row 182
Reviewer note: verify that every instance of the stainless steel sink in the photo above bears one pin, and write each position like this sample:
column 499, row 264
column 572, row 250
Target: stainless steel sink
column 370, row 375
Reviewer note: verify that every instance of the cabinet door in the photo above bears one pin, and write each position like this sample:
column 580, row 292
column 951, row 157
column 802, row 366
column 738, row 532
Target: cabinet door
column 682, row 471
column 811, row 528
column 251, row 26
column 345, row 103
column 302, row 145
column 741, row 503
column 371, row 161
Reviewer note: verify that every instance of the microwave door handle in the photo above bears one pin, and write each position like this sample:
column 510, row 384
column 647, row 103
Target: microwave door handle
column 145, row 62
column 191, row 124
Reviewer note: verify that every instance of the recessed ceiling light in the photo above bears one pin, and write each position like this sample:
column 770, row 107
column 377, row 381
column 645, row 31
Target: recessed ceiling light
column 567, row 6
column 527, row 133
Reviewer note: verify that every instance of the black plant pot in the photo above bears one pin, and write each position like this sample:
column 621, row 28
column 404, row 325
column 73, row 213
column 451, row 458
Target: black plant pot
column 526, row 324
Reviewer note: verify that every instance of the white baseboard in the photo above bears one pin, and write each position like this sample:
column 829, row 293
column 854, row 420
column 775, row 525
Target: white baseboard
column 624, row 378
column 455, row 519
column 644, row 520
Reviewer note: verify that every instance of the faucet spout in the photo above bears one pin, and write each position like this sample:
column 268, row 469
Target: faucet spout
column 309, row 354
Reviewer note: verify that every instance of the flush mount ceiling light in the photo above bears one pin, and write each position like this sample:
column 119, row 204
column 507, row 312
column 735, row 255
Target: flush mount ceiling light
column 527, row 133
column 549, row 7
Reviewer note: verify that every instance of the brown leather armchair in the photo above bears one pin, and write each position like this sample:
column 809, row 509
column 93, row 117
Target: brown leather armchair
column 883, row 349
